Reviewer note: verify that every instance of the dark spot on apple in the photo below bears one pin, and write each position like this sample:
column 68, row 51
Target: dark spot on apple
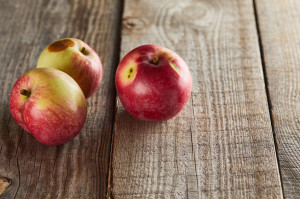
column 131, row 70
column 25, row 92
column 128, row 76
column 60, row 45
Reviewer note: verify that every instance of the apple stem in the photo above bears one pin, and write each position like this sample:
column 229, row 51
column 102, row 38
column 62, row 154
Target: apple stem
column 155, row 60
column 83, row 51
column 25, row 92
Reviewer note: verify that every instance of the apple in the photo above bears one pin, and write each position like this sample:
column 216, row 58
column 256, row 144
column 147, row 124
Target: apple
column 153, row 83
column 77, row 59
column 49, row 104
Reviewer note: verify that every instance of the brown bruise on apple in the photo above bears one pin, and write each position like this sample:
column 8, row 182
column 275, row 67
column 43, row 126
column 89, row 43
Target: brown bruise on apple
column 60, row 45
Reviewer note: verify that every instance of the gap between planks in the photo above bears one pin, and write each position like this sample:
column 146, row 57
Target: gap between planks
column 118, row 49
column 262, row 58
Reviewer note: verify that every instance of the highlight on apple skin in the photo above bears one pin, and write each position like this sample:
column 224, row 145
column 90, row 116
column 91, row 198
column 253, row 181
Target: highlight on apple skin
column 153, row 83
column 77, row 59
column 49, row 104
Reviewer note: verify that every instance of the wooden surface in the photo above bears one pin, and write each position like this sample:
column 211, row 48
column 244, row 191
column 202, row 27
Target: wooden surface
column 4, row 184
column 279, row 24
column 221, row 145
column 79, row 168
column 243, row 56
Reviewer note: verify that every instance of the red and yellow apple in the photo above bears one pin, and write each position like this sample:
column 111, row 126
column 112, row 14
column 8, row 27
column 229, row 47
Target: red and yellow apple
column 153, row 83
column 49, row 104
column 77, row 59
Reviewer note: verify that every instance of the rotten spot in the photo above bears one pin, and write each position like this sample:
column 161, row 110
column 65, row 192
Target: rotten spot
column 60, row 45
column 130, row 70
column 128, row 76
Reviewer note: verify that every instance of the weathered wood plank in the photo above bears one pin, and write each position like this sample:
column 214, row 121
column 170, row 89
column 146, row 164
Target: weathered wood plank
column 221, row 144
column 4, row 184
column 279, row 24
column 79, row 168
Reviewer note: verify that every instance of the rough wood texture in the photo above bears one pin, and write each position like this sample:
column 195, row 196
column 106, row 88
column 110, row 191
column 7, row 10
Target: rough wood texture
column 279, row 24
column 4, row 184
column 79, row 168
column 221, row 144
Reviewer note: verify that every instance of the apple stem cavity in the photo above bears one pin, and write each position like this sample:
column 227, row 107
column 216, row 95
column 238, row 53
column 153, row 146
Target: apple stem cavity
column 84, row 51
column 155, row 60
column 25, row 92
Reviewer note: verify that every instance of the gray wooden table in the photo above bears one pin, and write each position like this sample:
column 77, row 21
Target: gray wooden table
column 238, row 136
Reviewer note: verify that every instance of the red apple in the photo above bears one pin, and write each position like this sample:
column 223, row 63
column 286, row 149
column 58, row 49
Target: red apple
column 49, row 104
column 77, row 59
column 153, row 83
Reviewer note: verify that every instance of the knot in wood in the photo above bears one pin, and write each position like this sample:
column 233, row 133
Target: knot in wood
column 201, row 14
column 4, row 184
column 133, row 23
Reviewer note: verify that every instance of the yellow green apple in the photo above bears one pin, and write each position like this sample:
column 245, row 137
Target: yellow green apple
column 77, row 59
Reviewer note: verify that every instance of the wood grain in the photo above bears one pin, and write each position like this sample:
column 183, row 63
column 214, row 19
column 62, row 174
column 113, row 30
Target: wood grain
column 279, row 24
column 221, row 144
column 4, row 184
column 79, row 168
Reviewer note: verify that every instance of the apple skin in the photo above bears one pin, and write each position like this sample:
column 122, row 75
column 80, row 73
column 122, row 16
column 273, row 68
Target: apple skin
column 49, row 104
column 153, row 83
column 77, row 59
